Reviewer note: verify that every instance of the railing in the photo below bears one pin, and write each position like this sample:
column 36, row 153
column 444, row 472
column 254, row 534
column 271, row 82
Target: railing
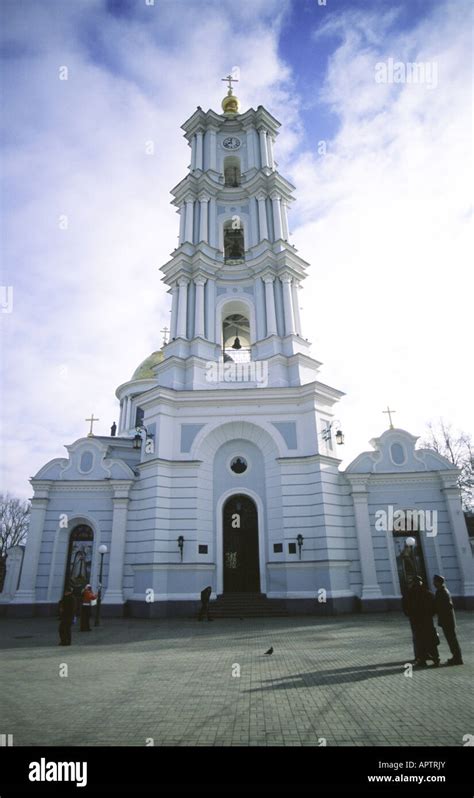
column 243, row 355
column 232, row 261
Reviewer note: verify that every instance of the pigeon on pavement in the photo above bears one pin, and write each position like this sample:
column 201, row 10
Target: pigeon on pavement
column 270, row 650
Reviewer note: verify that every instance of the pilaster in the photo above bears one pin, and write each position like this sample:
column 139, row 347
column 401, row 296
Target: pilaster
column 26, row 594
column 114, row 592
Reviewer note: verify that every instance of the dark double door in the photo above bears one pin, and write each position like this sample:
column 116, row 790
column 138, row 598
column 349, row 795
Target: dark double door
column 241, row 565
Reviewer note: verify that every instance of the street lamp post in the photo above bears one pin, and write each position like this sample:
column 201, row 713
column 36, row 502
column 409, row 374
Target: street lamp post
column 411, row 543
column 102, row 551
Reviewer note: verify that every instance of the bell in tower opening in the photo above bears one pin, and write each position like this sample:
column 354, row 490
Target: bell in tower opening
column 234, row 245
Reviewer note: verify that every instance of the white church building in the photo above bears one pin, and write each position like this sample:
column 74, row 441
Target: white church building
column 224, row 469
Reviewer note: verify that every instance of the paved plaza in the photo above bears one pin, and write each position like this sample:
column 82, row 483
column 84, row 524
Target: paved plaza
column 131, row 682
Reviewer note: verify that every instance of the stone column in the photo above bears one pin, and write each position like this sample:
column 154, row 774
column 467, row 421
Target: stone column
column 193, row 153
column 251, row 148
column 296, row 306
column 277, row 216
column 262, row 217
column 182, row 222
column 270, row 305
column 370, row 586
column 124, row 413
column 284, row 219
column 460, row 537
column 203, row 199
column 263, row 146
column 253, row 221
column 212, row 149
column 182, row 307
column 199, row 153
column 199, row 282
column 271, row 159
column 116, row 555
column 26, row 593
column 288, row 305
column 259, row 309
column 174, row 311
column 211, row 310
column 188, row 235
column 129, row 420
column 213, row 222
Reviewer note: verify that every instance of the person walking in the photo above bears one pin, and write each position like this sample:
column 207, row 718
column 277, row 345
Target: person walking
column 66, row 615
column 88, row 598
column 444, row 609
column 419, row 607
column 205, row 597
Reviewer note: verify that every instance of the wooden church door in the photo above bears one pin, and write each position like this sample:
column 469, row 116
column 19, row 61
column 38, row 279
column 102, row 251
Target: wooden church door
column 241, row 566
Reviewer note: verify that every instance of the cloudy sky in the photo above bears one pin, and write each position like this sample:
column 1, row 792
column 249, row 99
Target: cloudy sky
column 382, row 214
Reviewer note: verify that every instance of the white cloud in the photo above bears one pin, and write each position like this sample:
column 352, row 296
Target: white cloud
column 384, row 220
column 88, row 301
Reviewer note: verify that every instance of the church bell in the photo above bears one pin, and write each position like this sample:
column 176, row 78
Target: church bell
column 236, row 344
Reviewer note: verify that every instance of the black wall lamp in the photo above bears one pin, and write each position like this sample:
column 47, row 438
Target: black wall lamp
column 141, row 434
column 181, row 546
column 326, row 434
column 299, row 540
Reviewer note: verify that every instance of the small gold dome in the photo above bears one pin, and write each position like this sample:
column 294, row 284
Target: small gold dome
column 145, row 370
column 230, row 104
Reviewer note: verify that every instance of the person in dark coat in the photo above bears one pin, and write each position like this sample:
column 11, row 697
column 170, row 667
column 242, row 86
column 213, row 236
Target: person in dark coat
column 444, row 609
column 67, row 607
column 419, row 606
column 205, row 597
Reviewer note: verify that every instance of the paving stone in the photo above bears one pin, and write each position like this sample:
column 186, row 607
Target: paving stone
column 342, row 679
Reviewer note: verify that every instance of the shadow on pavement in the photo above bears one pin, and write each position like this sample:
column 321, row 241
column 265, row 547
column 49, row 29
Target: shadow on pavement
column 351, row 674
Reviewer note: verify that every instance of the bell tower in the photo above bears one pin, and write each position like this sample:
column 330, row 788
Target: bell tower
column 229, row 416
column 235, row 277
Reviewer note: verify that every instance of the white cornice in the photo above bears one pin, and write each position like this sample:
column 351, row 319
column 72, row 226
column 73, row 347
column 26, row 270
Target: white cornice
column 311, row 458
column 369, row 478
column 270, row 395
column 210, row 119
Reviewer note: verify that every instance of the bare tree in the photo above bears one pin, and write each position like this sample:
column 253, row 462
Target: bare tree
column 458, row 448
column 14, row 518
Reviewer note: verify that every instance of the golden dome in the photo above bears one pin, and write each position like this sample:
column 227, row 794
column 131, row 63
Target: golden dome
column 145, row 370
column 230, row 104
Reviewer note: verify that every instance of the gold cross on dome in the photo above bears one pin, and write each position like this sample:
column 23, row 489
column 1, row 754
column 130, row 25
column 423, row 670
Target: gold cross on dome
column 90, row 434
column 389, row 415
column 230, row 80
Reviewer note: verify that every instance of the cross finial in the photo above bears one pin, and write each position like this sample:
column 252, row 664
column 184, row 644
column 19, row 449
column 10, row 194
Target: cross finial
column 165, row 332
column 389, row 415
column 230, row 81
column 90, row 434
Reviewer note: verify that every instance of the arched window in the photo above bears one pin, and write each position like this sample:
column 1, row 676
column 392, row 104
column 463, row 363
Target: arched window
column 79, row 559
column 236, row 338
column 397, row 453
column 232, row 171
column 234, row 241
column 86, row 462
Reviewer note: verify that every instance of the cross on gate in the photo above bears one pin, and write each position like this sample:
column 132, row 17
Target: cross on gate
column 389, row 415
column 92, row 420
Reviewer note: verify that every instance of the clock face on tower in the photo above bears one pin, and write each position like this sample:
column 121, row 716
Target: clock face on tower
column 231, row 143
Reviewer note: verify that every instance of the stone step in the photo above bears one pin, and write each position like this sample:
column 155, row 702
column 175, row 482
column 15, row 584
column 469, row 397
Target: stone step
column 247, row 605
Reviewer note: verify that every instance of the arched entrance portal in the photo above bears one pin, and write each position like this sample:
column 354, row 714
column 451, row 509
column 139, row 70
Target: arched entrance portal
column 240, row 536
column 79, row 559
